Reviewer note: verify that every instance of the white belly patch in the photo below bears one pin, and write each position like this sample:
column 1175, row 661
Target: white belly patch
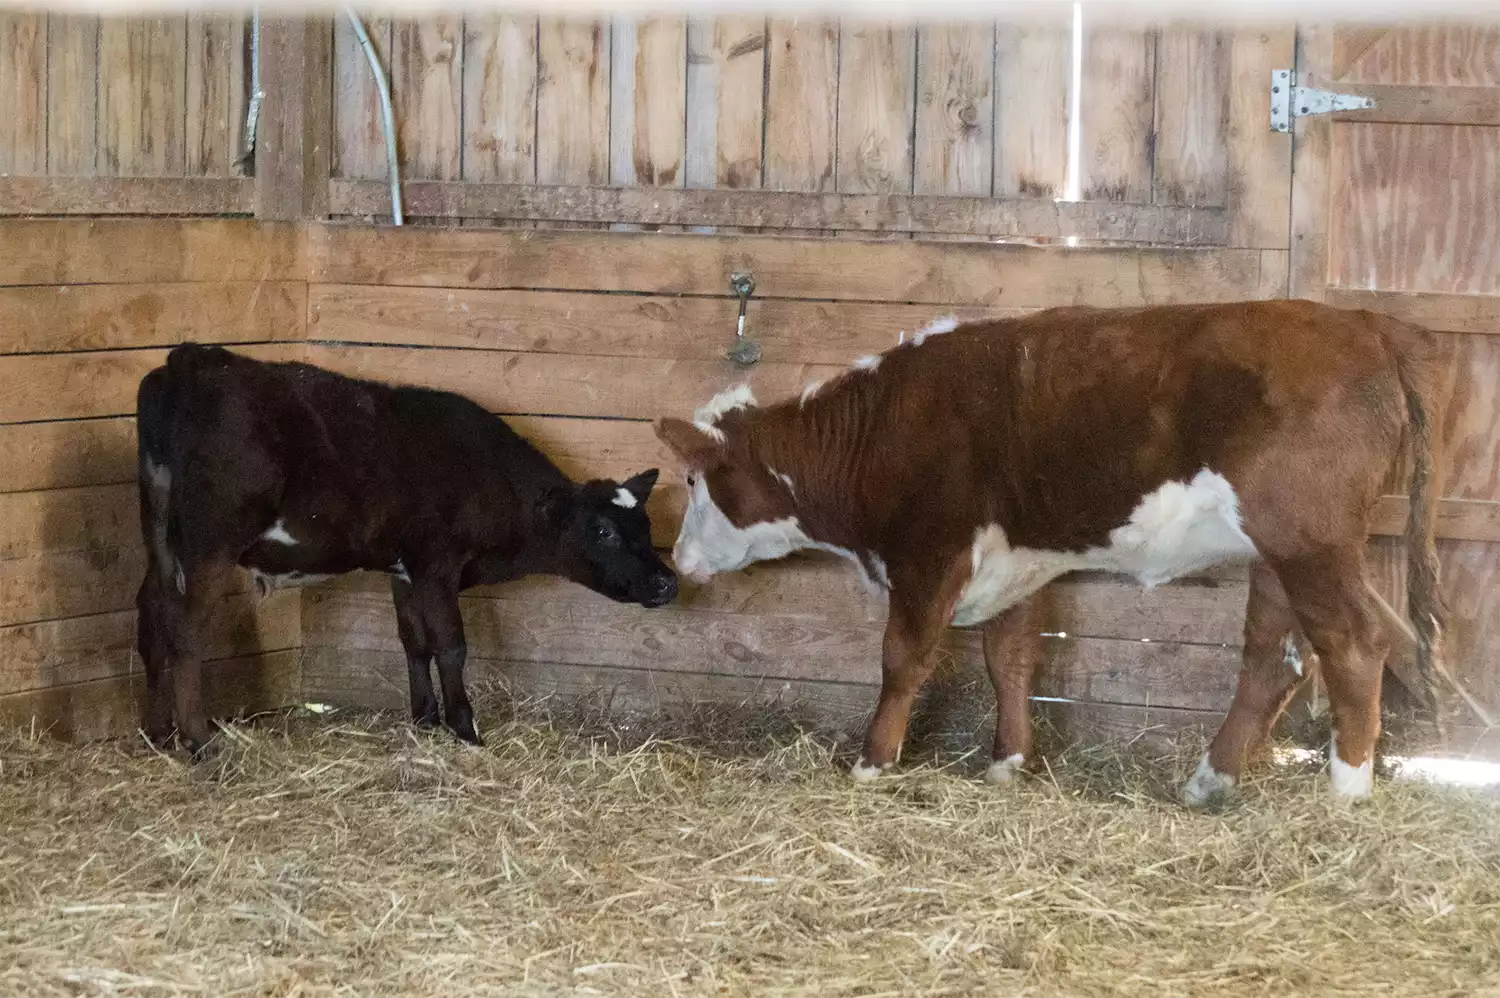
column 1179, row 529
column 266, row 584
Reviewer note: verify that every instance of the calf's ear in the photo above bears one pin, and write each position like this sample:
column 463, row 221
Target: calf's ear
column 641, row 485
column 696, row 449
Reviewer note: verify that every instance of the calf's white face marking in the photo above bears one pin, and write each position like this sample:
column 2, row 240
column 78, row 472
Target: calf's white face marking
column 936, row 327
column 1178, row 529
column 623, row 499
column 277, row 534
column 709, row 543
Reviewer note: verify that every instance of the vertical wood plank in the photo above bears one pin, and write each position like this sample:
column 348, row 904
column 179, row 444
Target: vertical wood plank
column 358, row 139
column 876, row 108
column 215, row 92
column 1260, row 160
column 1312, row 148
column 648, row 111
column 295, row 135
column 801, row 105
column 1116, row 114
column 72, row 92
column 500, row 70
column 648, row 86
column 23, row 93
column 725, row 101
column 572, row 116
column 427, row 91
column 1032, row 67
column 1192, row 116
column 142, row 77
column 955, row 143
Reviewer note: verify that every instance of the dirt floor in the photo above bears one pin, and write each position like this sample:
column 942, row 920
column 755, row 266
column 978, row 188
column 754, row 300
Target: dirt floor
column 351, row 855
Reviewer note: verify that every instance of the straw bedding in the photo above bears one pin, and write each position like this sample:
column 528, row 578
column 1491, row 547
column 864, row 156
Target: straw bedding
column 352, row 855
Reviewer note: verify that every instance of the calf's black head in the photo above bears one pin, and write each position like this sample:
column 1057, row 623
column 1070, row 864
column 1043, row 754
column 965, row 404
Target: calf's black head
column 604, row 541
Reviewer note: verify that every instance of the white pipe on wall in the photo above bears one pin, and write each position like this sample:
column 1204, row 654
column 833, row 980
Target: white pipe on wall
column 388, row 117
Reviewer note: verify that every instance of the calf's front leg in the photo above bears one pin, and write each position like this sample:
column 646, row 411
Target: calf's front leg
column 912, row 633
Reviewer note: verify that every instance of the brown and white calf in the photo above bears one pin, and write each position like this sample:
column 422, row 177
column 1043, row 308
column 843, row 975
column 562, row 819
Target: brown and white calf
column 298, row 473
column 966, row 468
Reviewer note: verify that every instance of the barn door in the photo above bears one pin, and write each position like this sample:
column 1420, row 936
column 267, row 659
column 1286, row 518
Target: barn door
column 1397, row 208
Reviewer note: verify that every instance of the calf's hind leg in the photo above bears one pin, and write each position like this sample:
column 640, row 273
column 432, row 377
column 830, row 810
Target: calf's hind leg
column 156, row 720
column 1267, row 682
column 1013, row 653
column 1329, row 595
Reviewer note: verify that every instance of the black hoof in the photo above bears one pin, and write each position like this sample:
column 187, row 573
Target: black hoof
column 428, row 721
column 200, row 750
column 467, row 733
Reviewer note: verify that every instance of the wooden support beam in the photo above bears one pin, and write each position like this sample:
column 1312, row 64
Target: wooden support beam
column 293, row 149
column 1424, row 105
column 154, row 196
column 1092, row 222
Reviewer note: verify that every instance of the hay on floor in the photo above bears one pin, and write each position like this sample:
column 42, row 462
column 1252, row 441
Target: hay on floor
column 352, row 855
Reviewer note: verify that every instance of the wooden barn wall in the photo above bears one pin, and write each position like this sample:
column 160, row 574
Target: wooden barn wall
column 675, row 152
column 86, row 309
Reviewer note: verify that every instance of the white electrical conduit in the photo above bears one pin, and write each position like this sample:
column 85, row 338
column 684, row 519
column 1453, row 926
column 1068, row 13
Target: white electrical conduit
column 388, row 117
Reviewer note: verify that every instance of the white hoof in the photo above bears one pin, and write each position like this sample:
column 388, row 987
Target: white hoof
column 1207, row 784
column 862, row 772
column 1352, row 782
column 1002, row 772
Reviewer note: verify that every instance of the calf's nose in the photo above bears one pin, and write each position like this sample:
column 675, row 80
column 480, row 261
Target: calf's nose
column 663, row 587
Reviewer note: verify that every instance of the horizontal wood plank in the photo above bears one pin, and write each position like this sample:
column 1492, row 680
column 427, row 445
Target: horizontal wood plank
column 1423, row 105
column 83, row 649
column 118, row 316
column 1458, row 519
column 910, row 271
column 144, row 250
column 67, row 454
column 89, row 385
column 111, row 708
column 564, row 384
column 803, row 648
column 615, row 325
column 62, row 520
column 155, row 196
column 70, row 584
column 815, row 211
column 377, row 681
column 1451, row 313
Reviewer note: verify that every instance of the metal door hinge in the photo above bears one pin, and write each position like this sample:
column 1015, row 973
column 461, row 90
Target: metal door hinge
column 1289, row 101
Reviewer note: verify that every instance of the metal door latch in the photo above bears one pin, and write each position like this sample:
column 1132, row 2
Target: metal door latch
column 1290, row 101
column 746, row 351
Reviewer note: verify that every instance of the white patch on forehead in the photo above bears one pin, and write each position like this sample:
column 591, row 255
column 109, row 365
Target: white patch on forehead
column 709, row 413
column 869, row 362
column 1176, row 530
column 277, row 534
column 624, row 499
column 936, row 327
column 808, row 391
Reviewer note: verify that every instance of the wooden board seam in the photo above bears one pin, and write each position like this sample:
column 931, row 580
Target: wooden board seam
column 152, row 196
